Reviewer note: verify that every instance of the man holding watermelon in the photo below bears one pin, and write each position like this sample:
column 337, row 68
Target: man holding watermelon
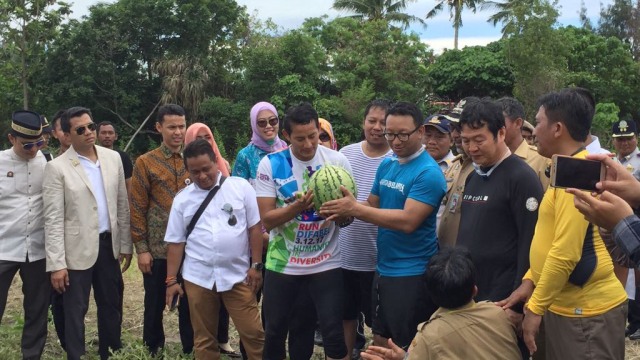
column 303, row 258
column 406, row 190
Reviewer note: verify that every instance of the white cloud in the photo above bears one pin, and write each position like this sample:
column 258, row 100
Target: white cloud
column 440, row 44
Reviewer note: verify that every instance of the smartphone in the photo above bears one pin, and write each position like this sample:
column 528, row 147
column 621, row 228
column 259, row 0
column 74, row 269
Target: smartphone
column 174, row 302
column 570, row 172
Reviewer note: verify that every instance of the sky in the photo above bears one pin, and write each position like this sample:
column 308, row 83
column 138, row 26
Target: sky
column 438, row 34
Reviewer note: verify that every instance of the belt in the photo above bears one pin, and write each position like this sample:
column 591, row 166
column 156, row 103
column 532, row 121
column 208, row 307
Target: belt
column 105, row 235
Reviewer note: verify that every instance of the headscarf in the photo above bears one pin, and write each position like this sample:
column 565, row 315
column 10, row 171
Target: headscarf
column 190, row 136
column 326, row 126
column 270, row 146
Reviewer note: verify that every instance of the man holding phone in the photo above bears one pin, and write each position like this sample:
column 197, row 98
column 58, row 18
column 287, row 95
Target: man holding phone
column 571, row 280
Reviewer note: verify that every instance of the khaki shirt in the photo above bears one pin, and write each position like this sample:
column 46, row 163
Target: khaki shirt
column 456, row 176
column 537, row 162
column 475, row 331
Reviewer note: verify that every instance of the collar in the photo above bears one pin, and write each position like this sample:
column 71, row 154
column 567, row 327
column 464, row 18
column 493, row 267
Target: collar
column 404, row 160
column 442, row 311
column 447, row 159
column 486, row 174
column 164, row 149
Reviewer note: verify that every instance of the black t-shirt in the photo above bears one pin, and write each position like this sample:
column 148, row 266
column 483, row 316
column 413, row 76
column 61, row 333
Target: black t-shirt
column 498, row 219
column 126, row 164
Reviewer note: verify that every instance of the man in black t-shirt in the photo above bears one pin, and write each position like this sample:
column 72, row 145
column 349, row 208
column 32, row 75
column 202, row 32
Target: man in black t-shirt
column 107, row 137
column 499, row 205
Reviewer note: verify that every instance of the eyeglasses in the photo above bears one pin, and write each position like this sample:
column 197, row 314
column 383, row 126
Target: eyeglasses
column 401, row 137
column 38, row 144
column 229, row 210
column 272, row 121
column 80, row 130
column 324, row 137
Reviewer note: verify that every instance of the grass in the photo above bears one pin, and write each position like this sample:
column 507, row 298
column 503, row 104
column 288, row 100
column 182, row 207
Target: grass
column 133, row 349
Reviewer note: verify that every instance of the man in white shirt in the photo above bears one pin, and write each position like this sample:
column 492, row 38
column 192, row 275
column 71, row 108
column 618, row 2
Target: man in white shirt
column 216, row 253
column 22, row 228
column 87, row 233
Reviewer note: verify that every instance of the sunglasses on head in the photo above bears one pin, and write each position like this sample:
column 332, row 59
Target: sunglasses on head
column 81, row 130
column 324, row 137
column 229, row 210
column 273, row 121
column 38, row 144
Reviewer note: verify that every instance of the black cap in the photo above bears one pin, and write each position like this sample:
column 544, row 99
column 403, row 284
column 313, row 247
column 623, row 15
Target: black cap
column 624, row 128
column 26, row 124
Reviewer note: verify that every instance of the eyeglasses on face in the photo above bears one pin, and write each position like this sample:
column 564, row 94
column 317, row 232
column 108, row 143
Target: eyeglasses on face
column 38, row 144
column 273, row 121
column 229, row 210
column 324, row 137
column 81, row 129
column 401, row 137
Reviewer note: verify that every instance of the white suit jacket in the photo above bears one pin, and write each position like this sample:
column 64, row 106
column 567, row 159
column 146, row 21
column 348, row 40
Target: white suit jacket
column 71, row 210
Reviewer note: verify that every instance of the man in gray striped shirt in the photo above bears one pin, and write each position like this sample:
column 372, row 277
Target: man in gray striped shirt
column 358, row 241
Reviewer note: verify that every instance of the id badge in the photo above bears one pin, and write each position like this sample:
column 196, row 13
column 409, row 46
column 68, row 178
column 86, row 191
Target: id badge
column 454, row 203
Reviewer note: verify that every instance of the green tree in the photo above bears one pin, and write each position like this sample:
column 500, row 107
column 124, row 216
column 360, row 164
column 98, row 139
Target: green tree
column 455, row 11
column 606, row 114
column 509, row 13
column 183, row 82
column 472, row 71
column 27, row 27
column 536, row 52
column 389, row 10
column 621, row 19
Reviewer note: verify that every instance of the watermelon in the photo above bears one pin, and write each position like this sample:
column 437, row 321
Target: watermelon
column 326, row 182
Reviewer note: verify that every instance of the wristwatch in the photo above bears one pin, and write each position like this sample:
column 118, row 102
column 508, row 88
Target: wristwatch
column 258, row 266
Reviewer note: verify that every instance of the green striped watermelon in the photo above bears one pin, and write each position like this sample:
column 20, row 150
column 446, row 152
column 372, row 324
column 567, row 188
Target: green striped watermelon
column 326, row 182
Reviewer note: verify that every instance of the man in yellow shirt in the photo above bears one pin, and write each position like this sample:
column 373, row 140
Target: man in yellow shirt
column 571, row 280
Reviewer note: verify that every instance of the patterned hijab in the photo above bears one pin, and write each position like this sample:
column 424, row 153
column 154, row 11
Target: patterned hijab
column 270, row 146
column 193, row 130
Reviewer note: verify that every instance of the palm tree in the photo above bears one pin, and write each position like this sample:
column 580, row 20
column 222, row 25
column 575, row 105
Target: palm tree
column 184, row 79
column 455, row 9
column 388, row 10
column 506, row 13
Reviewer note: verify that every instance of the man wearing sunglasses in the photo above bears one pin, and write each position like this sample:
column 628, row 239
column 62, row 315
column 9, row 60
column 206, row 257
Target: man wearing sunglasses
column 22, row 228
column 87, row 232
column 216, row 253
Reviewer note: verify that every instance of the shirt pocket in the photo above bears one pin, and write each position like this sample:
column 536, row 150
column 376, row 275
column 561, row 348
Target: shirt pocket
column 239, row 212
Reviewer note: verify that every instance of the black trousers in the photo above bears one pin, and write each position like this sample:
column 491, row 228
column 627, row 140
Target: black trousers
column 322, row 292
column 35, row 287
column 106, row 279
column 155, row 292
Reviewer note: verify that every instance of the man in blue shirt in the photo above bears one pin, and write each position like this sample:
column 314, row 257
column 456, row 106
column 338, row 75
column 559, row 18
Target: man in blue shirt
column 406, row 190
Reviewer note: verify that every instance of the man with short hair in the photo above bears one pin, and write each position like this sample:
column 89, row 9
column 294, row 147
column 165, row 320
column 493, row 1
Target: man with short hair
column 46, row 136
column 499, row 205
column 87, row 233
column 358, row 241
column 216, row 253
column 437, row 140
column 527, row 133
column 571, row 280
column 107, row 136
column 22, row 228
column 406, row 190
column 303, row 258
column 58, row 134
column 513, row 112
column 460, row 328
column 157, row 177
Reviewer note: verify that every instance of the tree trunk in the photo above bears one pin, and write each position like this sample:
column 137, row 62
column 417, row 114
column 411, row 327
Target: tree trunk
column 141, row 126
column 455, row 37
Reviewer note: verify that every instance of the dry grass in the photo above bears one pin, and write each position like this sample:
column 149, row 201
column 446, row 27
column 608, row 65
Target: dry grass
column 11, row 327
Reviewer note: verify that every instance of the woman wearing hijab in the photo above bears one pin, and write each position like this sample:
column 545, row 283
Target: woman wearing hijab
column 327, row 138
column 202, row 131
column 264, row 140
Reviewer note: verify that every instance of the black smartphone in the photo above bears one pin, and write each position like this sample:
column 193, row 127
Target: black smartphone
column 570, row 172
column 174, row 302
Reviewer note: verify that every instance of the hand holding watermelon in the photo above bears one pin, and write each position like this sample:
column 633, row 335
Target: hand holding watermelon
column 340, row 209
column 304, row 200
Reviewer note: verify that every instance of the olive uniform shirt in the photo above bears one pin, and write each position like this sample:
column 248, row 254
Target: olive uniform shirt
column 537, row 162
column 475, row 331
column 456, row 176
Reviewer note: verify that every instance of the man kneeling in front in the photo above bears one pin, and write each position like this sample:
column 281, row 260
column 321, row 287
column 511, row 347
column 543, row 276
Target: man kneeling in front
column 460, row 328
